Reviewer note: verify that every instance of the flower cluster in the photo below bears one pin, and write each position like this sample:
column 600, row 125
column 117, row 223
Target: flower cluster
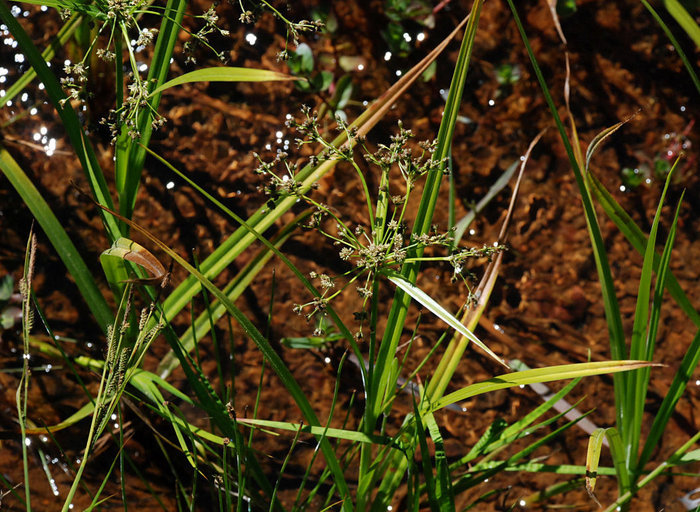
column 201, row 37
column 74, row 81
column 250, row 13
column 385, row 243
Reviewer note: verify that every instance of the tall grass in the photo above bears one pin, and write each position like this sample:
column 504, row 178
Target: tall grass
column 362, row 468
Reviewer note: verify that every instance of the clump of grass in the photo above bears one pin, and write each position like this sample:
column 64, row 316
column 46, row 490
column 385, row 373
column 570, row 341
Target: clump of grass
column 366, row 467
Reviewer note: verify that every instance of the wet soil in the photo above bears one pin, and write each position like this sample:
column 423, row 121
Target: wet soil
column 546, row 308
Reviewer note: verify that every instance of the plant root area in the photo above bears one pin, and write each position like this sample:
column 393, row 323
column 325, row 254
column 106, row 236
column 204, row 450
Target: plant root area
column 546, row 308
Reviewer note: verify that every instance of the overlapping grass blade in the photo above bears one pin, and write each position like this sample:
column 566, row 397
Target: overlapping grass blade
column 233, row 290
column 638, row 240
column 610, row 303
column 380, row 383
column 130, row 156
column 265, row 216
column 500, row 434
column 444, row 494
column 548, row 374
column 263, row 344
column 458, row 344
column 635, row 394
column 480, row 471
column 251, row 232
column 70, row 121
column 426, row 300
column 691, row 356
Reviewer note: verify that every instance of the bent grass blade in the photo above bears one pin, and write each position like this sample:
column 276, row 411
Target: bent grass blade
column 548, row 374
column 263, row 344
column 225, row 74
column 423, row 298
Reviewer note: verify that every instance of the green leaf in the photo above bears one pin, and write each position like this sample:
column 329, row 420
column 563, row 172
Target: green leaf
column 224, row 74
column 548, row 374
column 59, row 239
column 268, row 352
column 423, row 298
column 444, row 494
column 130, row 155
column 684, row 19
column 317, row 430
column 301, row 60
column 7, row 286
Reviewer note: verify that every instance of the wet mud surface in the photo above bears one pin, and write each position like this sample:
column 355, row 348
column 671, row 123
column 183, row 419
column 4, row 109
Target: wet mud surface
column 546, row 308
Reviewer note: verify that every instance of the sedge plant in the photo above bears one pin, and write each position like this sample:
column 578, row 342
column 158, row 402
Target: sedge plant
column 389, row 248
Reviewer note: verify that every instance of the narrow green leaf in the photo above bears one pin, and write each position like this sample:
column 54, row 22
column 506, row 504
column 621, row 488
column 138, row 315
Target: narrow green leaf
column 690, row 358
column 424, row 299
column 638, row 239
column 264, row 345
column 225, row 74
column 610, row 303
column 380, row 382
column 686, row 62
column 59, row 239
column 130, row 156
column 443, row 482
column 84, row 412
column 638, row 382
column 348, row 435
column 548, row 374
column 684, row 19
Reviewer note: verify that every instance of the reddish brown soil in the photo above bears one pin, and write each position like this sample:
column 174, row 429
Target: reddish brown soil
column 547, row 301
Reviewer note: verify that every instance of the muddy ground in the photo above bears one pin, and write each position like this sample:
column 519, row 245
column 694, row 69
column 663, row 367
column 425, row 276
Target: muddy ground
column 547, row 303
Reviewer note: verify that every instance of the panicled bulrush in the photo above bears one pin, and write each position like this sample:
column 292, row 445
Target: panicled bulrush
column 385, row 243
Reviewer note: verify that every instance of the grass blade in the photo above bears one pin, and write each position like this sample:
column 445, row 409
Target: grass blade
column 130, row 156
column 548, row 374
column 690, row 358
column 684, row 19
column 423, row 298
column 263, row 344
column 59, row 239
column 610, row 303
column 636, row 237
column 635, row 394
column 686, row 62
column 224, row 74
column 70, row 121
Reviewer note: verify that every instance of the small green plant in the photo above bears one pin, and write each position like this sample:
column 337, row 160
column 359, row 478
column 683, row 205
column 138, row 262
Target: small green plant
column 10, row 313
column 507, row 75
column 301, row 63
column 400, row 13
